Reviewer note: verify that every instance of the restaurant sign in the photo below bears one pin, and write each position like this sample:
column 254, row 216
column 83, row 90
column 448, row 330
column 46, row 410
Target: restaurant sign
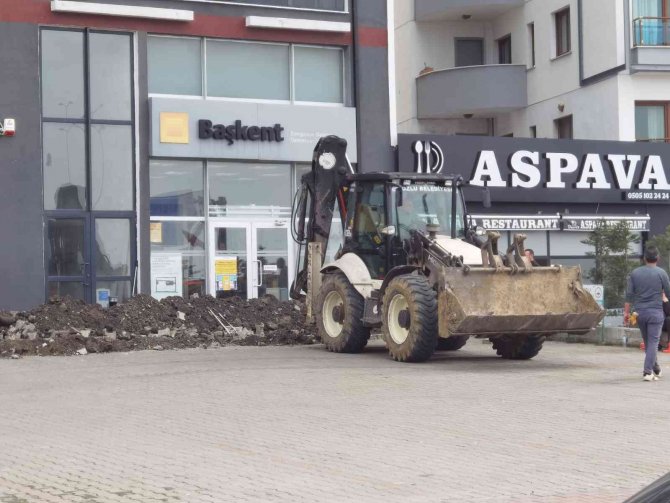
column 558, row 222
column 545, row 170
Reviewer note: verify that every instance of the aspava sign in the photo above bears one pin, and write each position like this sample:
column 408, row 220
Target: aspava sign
column 551, row 170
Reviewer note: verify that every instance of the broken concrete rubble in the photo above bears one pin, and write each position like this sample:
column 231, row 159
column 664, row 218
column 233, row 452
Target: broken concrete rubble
column 145, row 323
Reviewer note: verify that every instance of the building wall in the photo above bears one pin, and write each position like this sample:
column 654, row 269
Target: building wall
column 428, row 44
column 602, row 50
column 22, row 248
column 372, row 98
column 643, row 86
column 601, row 109
column 23, row 253
column 601, row 122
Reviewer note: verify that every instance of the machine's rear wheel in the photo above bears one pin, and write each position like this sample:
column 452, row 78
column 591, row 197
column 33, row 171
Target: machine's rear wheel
column 339, row 315
column 518, row 347
column 409, row 318
column 452, row 343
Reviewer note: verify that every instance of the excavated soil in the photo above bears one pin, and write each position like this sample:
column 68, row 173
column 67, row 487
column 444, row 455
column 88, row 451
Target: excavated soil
column 66, row 327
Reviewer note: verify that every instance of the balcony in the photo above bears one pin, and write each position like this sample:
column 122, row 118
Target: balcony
column 441, row 10
column 478, row 90
column 651, row 44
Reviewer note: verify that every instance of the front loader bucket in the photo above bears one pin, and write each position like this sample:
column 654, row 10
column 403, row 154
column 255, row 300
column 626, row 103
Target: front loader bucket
column 546, row 300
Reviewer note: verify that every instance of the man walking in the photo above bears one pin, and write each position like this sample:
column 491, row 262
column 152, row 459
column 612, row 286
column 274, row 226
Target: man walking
column 646, row 286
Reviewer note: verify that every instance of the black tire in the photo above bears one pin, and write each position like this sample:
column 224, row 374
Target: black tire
column 412, row 296
column 452, row 343
column 341, row 331
column 518, row 347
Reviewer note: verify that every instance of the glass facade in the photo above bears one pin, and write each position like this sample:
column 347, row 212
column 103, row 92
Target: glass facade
column 245, row 70
column 175, row 65
column 248, row 70
column 318, row 74
column 245, row 220
column 88, row 161
column 238, row 188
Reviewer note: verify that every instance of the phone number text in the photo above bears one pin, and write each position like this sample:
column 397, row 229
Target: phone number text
column 647, row 196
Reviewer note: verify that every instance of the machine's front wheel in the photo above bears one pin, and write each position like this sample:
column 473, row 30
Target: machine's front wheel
column 339, row 315
column 452, row 343
column 409, row 318
column 518, row 347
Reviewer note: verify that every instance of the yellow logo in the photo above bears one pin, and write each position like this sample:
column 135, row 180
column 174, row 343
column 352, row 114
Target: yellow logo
column 174, row 127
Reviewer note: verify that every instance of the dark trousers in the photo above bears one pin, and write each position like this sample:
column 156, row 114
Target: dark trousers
column 650, row 322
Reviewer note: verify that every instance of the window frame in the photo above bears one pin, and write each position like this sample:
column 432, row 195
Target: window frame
column 559, row 15
column 291, row 70
column 504, row 46
column 666, row 120
column 531, row 44
column 87, row 121
column 562, row 121
column 203, row 70
column 89, row 215
column 469, row 39
column 248, row 100
column 343, row 61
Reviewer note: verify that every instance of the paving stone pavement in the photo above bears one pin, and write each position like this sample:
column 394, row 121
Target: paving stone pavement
column 299, row 424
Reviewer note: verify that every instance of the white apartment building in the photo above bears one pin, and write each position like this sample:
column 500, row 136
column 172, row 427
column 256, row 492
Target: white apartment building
column 583, row 69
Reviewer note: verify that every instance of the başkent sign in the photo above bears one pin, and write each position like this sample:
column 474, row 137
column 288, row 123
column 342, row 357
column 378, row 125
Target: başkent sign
column 542, row 170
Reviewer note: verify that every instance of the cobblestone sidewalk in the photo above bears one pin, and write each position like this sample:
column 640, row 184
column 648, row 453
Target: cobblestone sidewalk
column 297, row 424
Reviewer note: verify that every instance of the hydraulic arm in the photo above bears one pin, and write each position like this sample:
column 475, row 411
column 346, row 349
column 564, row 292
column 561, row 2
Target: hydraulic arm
column 315, row 201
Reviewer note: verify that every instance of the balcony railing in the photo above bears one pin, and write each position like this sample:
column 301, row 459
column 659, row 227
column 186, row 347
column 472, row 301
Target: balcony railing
column 651, row 31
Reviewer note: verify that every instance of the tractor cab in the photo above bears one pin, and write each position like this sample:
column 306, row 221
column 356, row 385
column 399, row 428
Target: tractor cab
column 383, row 212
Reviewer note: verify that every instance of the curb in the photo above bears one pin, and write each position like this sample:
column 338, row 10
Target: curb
column 604, row 336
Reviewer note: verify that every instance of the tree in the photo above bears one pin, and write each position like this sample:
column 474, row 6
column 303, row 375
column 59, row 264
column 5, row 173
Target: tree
column 662, row 242
column 611, row 245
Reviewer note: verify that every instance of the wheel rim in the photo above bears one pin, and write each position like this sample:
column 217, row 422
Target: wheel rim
column 331, row 304
column 397, row 332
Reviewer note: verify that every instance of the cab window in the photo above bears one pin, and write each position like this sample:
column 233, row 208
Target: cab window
column 366, row 223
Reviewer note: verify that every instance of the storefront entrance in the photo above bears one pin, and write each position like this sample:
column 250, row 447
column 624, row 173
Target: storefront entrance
column 249, row 259
column 90, row 258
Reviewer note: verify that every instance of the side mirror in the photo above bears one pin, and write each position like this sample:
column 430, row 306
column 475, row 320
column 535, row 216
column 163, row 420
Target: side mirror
column 486, row 199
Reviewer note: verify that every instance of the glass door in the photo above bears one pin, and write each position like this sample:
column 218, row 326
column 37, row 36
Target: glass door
column 230, row 245
column 250, row 259
column 273, row 259
column 68, row 258
column 91, row 259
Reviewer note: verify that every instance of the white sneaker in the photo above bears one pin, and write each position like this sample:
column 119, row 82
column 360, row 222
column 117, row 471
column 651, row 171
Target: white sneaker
column 649, row 377
column 659, row 373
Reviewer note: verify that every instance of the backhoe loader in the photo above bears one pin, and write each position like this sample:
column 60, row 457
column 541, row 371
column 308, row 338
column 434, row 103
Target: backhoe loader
column 410, row 263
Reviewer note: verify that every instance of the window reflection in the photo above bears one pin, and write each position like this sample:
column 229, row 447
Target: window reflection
column 238, row 188
column 62, row 74
column 66, row 246
column 111, row 167
column 74, row 289
column 64, row 159
column 109, row 76
column 177, row 188
column 112, row 243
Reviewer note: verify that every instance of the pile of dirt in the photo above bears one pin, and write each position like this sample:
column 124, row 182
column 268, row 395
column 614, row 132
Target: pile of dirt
column 65, row 326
